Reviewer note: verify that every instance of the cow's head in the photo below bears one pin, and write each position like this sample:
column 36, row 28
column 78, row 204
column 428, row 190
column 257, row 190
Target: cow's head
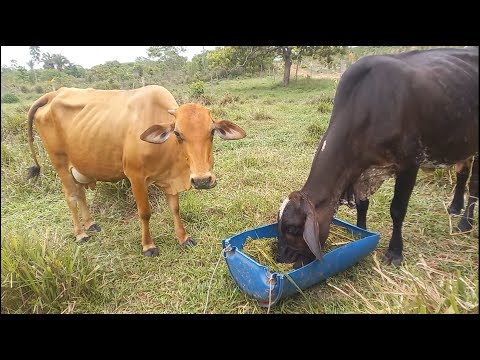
column 300, row 238
column 194, row 129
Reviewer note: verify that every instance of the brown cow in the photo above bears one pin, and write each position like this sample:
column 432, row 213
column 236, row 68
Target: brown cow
column 108, row 135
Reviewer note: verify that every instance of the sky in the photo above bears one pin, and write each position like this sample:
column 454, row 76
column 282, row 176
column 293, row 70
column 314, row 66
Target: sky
column 88, row 56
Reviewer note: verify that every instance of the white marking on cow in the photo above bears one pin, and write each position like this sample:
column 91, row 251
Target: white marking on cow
column 282, row 207
column 324, row 144
column 79, row 177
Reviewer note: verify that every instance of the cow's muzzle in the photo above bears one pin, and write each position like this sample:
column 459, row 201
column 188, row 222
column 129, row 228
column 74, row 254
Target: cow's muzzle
column 203, row 183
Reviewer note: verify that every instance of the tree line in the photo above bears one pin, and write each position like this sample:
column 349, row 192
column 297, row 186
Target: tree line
column 166, row 65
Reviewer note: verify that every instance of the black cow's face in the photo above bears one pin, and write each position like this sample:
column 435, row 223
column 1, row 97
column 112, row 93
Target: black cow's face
column 298, row 235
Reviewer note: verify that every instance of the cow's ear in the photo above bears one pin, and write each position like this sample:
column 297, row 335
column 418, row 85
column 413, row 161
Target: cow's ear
column 172, row 112
column 157, row 134
column 311, row 235
column 227, row 130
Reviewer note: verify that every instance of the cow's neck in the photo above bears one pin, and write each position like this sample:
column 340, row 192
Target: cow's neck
column 334, row 167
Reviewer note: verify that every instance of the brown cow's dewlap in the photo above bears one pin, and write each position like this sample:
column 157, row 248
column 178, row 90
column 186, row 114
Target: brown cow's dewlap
column 263, row 250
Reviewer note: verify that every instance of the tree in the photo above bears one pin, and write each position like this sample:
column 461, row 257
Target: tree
column 254, row 54
column 138, row 72
column 30, row 64
column 198, row 67
column 164, row 53
column 168, row 55
column 168, row 62
column 75, row 70
column 286, row 52
column 35, row 54
column 290, row 53
column 60, row 61
column 48, row 61
column 232, row 59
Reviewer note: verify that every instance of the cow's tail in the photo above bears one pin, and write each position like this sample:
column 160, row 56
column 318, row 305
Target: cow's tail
column 34, row 171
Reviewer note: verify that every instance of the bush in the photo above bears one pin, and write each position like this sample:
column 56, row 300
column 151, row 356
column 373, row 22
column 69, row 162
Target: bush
column 107, row 85
column 325, row 107
column 24, row 89
column 14, row 121
column 229, row 99
column 314, row 133
column 10, row 99
column 262, row 115
column 218, row 112
column 39, row 89
column 206, row 100
column 7, row 157
column 197, row 89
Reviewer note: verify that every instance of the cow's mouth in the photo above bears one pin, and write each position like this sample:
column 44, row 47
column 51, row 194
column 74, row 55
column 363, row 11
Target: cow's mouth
column 204, row 184
column 298, row 259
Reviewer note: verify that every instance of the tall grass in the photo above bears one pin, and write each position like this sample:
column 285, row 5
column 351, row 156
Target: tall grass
column 41, row 275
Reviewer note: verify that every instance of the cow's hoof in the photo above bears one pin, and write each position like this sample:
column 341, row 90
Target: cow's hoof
column 151, row 252
column 391, row 257
column 83, row 239
column 190, row 242
column 452, row 210
column 463, row 226
column 94, row 228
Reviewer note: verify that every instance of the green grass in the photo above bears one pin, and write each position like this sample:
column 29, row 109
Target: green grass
column 255, row 174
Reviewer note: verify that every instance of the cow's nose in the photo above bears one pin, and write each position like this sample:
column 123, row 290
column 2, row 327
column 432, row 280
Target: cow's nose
column 203, row 183
column 280, row 257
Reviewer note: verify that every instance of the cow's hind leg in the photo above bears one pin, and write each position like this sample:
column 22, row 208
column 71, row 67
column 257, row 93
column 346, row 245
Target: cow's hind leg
column 70, row 190
column 462, row 172
column 183, row 238
column 466, row 222
column 88, row 221
column 140, row 192
column 404, row 184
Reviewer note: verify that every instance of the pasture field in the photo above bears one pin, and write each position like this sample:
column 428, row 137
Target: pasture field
column 45, row 271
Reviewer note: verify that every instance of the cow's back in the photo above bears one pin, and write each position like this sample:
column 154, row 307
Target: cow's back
column 447, row 97
column 411, row 100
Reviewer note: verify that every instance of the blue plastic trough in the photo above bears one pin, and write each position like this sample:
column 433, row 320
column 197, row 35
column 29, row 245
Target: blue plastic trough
column 257, row 281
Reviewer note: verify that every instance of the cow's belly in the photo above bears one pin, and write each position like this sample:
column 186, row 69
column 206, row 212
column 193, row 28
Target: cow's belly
column 436, row 156
column 97, row 164
column 96, row 155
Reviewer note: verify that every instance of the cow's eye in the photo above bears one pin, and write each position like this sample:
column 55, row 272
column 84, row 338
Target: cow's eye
column 177, row 134
column 294, row 230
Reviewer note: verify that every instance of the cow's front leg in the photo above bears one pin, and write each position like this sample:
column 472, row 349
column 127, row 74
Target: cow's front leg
column 183, row 238
column 140, row 192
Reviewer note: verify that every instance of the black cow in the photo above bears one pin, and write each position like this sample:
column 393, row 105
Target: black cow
column 391, row 114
